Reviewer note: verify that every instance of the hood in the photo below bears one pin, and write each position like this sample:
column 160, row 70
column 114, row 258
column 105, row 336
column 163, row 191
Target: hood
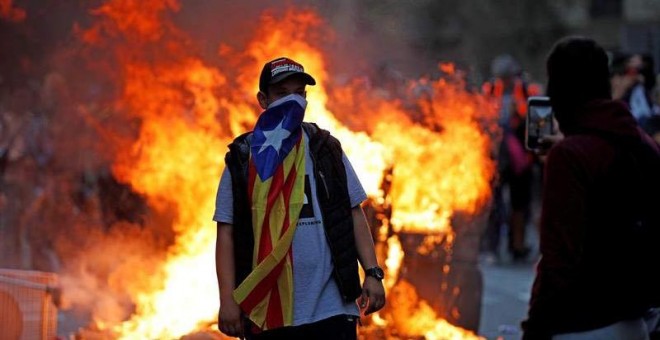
column 609, row 117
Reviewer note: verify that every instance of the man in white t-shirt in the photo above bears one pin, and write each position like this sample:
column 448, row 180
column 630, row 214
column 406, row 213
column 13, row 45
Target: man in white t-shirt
column 331, row 234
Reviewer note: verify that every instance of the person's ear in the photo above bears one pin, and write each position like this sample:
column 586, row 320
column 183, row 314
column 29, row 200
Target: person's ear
column 262, row 99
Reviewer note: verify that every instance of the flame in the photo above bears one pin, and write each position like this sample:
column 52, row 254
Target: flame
column 188, row 111
column 393, row 262
column 425, row 201
column 414, row 317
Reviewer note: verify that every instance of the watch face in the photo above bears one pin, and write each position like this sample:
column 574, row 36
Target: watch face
column 376, row 272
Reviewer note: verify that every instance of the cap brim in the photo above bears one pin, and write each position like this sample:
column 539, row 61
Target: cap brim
column 309, row 80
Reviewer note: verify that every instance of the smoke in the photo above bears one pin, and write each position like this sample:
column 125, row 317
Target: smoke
column 368, row 38
column 98, row 264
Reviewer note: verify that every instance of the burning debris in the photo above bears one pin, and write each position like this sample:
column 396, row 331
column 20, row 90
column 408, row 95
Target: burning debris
column 423, row 155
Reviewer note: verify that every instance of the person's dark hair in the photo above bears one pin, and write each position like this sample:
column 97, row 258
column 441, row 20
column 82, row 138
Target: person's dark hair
column 618, row 63
column 648, row 71
column 578, row 72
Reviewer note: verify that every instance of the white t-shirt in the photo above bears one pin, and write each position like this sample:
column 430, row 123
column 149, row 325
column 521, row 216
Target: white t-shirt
column 316, row 295
column 639, row 106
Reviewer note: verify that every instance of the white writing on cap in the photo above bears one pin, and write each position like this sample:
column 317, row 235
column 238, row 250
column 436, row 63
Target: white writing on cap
column 284, row 66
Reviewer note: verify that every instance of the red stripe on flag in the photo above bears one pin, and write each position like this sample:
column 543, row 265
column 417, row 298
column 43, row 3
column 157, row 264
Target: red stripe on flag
column 286, row 193
column 274, row 315
column 288, row 189
column 265, row 243
column 262, row 288
column 275, row 185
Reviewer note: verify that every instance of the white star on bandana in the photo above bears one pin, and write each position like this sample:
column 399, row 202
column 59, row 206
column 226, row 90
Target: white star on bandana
column 275, row 137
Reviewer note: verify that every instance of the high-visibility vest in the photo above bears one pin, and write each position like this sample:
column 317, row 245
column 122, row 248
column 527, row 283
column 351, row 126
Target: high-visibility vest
column 521, row 92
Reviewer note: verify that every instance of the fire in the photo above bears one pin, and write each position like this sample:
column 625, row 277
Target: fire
column 413, row 317
column 425, row 200
column 189, row 111
column 393, row 261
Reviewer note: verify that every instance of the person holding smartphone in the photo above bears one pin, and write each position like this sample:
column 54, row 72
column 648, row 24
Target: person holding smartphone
column 541, row 127
column 600, row 225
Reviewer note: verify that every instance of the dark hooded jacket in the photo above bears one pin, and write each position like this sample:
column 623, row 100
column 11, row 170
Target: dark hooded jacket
column 600, row 185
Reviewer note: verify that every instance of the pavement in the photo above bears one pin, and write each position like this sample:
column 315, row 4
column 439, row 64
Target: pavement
column 507, row 287
column 504, row 300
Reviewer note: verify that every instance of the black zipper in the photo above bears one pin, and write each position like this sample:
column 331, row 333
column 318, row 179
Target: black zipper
column 342, row 290
column 325, row 185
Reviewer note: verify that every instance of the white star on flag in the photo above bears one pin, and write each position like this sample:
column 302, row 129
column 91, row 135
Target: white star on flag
column 275, row 137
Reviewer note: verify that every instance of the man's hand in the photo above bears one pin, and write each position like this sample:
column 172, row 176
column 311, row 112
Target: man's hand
column 549, row 140
column 373, row 295
column 552, row 139
column 229, row 320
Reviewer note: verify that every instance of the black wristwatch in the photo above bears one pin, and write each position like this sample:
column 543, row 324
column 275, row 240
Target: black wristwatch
column 375, row 272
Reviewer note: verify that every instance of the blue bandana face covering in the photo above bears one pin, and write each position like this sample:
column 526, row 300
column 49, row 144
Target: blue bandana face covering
column 277, row 131
column 294, row 96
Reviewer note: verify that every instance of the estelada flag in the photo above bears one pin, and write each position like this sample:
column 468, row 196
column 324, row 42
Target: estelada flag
column 276, row 183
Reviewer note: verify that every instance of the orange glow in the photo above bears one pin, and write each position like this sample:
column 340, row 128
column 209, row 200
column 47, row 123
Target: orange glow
column 393, row 262
column 457, row 154
column 413, row 317
column 189, row 111
column 11, row 13
column 448, row 68
column 368, row 157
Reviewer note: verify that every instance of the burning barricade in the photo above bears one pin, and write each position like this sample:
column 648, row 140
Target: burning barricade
column 423, row 156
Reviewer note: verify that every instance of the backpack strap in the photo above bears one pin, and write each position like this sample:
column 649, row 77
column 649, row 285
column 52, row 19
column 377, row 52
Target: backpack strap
column 310, row 129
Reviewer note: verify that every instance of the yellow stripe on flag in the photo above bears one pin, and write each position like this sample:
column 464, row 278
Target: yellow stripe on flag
column 287, row 299
column 259, row 312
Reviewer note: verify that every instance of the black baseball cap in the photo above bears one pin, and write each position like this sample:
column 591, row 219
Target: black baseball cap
column 278, row 69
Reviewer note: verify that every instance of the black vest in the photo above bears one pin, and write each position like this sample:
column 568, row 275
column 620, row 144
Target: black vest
column 334, row 201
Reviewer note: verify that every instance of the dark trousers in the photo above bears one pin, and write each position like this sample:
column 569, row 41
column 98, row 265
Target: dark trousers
column 340, row 327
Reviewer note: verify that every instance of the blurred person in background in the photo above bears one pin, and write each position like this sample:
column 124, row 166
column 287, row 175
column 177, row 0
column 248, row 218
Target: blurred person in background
column 599, row 222
column 17, row 181
column 514, row 163
column 652, row 124
column 25, row 157
column 633, row 81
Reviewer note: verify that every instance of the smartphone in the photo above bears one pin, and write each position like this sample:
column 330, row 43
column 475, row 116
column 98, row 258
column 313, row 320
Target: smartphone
column 539, row 122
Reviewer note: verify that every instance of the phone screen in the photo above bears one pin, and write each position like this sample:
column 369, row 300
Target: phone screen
column 539, row 122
